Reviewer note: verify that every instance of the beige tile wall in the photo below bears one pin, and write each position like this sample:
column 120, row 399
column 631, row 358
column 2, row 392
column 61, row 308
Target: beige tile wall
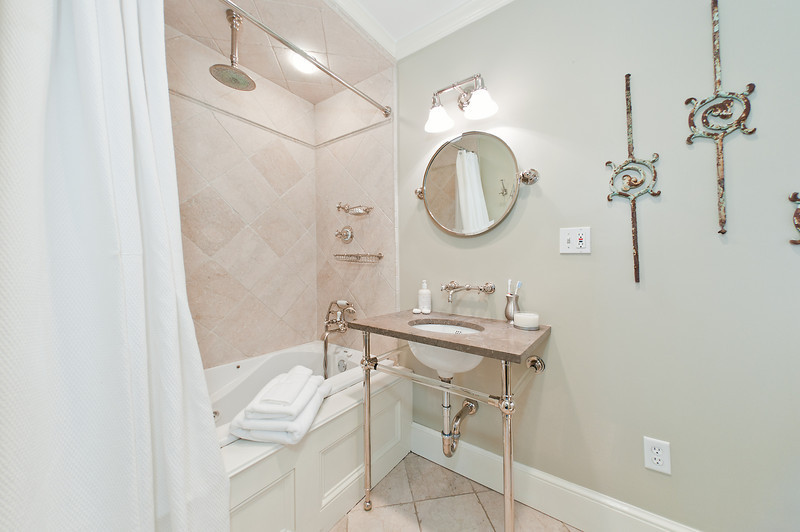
column 247, row 220
column 258, row 211
column 357, row 170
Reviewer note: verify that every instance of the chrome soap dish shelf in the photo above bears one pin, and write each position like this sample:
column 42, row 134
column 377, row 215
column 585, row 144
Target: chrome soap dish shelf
column 364, row 258
column 356, row 210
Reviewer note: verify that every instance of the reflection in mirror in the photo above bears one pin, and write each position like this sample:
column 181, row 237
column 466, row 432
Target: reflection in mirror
column 471, row 184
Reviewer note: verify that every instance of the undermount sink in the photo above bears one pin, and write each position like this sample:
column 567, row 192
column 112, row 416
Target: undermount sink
column 445, row 361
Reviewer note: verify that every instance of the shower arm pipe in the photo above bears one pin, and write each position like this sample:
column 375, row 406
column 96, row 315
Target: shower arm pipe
column 387, row 111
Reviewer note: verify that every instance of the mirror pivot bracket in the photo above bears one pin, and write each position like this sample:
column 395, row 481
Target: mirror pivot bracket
column 528, row 177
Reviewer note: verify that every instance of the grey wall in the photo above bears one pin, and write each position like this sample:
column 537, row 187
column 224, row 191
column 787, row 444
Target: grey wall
column 703, row 352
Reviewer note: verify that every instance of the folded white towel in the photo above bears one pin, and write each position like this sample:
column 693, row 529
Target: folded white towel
column 283, row 389
column 260, row 410
column 280, row 431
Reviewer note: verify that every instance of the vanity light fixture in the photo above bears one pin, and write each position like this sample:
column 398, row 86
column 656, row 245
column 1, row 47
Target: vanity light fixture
column 474, row 100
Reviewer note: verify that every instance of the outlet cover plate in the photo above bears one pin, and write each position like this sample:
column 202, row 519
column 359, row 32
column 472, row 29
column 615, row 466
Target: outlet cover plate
column 657, row 456
column 575, row 240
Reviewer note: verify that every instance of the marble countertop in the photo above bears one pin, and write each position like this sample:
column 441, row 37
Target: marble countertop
column 497, row 339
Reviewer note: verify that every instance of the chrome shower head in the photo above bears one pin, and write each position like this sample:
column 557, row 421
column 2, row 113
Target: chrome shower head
column 231, row 75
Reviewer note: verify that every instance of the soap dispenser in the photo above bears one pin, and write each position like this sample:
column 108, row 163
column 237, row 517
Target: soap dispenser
column 424, row 298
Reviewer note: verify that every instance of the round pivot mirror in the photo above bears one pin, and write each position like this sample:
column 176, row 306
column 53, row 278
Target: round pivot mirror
column 471, row 184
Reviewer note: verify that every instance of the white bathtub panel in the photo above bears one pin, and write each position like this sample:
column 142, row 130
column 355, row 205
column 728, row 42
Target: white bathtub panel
column 341, row 464
column 250, row 480
column 327, row 464
column 270, row 509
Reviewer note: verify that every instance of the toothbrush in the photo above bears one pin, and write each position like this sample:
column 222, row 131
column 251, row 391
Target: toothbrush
column 509, row 286
column 516, row 290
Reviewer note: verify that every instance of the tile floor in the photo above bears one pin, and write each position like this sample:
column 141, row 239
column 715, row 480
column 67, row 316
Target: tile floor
column 421, row 496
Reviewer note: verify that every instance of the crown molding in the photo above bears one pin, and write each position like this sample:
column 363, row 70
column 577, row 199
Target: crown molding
column 367, row 22
column 445, row 25
column 426, row 35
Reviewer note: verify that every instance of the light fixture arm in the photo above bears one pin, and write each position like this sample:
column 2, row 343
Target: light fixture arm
column 463, row 97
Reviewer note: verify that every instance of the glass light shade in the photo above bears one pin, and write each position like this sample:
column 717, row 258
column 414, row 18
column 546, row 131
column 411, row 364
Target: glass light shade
column 480, row 105
column 438, row 120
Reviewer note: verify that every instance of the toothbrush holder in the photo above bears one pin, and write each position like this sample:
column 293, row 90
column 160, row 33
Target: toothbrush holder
column 512, row 306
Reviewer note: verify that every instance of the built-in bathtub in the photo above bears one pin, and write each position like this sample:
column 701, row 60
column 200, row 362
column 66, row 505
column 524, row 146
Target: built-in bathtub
column 311, row 485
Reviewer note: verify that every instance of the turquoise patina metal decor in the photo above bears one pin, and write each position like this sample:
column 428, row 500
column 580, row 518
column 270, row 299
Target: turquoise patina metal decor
column 795, row 198
column 720, row 115
column 633, row 178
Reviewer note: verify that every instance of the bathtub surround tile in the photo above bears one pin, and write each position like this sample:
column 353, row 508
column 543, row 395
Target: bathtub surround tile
column 209, row 147
column 303, row 317
column 208, row 220
column 280, row 288
column 248, row 137
column 259, row 211
column 277, row 166
column 213, row 293
column 246, row 191
column 190, row 181
column 429, row 480
column 300, row 200
column 526, row 519
column 462, row 512
column 216, row 351
column 193, row 256
column 249, row 326
column 182, row 109
column 279, row 228
column 302, row 257
column 247, row 257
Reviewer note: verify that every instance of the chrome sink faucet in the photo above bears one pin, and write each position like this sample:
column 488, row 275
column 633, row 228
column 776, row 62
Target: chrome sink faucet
column 452, row 287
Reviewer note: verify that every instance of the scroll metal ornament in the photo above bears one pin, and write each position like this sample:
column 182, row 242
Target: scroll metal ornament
column 633, row 178
column 795, row 198
column 720, row 115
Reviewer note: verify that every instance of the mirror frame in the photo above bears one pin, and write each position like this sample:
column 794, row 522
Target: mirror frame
column 527, row 177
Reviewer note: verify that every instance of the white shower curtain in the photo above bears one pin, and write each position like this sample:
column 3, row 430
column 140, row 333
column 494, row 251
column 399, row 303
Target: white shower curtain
column 106, row 423
column 471, row 209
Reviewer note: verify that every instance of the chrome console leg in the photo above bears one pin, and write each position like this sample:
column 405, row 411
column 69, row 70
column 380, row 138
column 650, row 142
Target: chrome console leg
column 366, row 364
column 507, row 408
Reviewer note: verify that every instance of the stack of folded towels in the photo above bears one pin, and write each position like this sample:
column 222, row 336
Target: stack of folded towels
column 284, row 409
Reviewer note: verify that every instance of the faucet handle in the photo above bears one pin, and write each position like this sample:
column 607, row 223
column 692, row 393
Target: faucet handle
column 452, row 285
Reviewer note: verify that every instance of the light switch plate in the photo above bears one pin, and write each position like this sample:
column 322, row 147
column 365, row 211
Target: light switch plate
column 575, row 240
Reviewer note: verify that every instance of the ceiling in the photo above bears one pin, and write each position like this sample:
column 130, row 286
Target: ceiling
column 356, row 39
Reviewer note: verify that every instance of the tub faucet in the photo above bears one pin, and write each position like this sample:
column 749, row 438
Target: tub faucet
column 452, row 286
column 335, row 321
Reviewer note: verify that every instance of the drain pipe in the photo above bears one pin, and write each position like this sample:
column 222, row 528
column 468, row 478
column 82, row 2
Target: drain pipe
column 452, row 434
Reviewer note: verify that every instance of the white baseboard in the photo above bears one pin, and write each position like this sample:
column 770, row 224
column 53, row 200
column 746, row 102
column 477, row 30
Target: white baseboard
column 580, row 507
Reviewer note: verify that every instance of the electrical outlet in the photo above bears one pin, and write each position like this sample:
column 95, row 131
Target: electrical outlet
column 575, row 240
column 657, row 456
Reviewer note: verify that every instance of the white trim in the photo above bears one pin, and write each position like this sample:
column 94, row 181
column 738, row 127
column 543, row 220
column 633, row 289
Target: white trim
column 421, row 37
column 573, row 504
column 445, row 25
column 367, row 22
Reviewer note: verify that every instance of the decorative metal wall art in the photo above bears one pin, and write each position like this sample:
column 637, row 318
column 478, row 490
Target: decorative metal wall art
column 720, row 115
column 795, row 198
column 633, row 178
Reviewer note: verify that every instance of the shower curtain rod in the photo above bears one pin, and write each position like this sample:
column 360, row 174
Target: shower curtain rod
column 387, row 111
